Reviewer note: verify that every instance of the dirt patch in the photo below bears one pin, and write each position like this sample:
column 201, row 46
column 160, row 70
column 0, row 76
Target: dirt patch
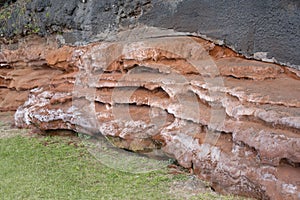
column 188, row 188
column 7, row 127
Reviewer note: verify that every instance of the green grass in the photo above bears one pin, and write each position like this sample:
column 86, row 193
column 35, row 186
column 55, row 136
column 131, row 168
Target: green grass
column 51, row 168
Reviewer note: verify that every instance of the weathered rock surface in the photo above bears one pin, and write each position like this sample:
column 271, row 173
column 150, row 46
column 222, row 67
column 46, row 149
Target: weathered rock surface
column 265, row 30
column 25, row 66
column 234, row 121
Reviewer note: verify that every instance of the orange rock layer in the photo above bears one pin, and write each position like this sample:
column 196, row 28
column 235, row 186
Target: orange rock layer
column 234, row 121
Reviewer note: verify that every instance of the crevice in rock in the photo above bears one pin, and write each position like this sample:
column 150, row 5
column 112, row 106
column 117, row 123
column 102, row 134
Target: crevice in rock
column 285, row 161
column 289, row 130
column 59, row 132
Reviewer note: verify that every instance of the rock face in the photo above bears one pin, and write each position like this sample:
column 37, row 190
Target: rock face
column 261, row 29
column 24, row 66
column 234, row 121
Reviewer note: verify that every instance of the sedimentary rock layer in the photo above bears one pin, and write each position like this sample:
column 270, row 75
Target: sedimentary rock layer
column 234, row 121
column 267, row 30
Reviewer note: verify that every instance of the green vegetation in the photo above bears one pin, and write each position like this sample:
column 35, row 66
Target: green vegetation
column 62, row 168
column 32, row 28
column 12, row 19
column 47, row 15
column 5, row 13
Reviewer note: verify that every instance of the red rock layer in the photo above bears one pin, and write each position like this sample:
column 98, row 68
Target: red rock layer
column 235, row 122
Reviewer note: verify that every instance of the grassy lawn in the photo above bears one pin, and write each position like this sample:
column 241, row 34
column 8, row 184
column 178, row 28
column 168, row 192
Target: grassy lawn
column 55, row 168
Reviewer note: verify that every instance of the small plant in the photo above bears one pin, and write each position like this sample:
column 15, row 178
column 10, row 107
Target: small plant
column 17, row 11
column 84, row 136
column 47, row 14
column 31, row 28
column 5, row 12
column 36, row 30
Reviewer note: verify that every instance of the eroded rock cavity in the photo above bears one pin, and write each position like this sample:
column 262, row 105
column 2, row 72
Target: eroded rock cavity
column 235, row 122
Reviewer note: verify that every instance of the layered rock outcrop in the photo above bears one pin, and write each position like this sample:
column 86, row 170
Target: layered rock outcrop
column 267, row 30
column 234, row 121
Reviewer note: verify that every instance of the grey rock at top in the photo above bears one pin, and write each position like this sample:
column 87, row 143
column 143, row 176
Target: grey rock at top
column 270, row 26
